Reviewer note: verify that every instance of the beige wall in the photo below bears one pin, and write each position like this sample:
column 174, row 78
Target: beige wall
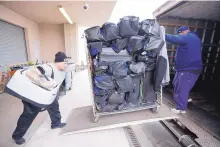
column 51, row 40
column 82, row 47
column 43, row 40
column 31, row 30
column 71, row 42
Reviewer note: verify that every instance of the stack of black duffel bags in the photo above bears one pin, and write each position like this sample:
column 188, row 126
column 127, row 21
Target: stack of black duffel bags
column 124, row 59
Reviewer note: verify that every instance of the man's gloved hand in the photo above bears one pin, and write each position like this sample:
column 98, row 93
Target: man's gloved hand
column 74, row 67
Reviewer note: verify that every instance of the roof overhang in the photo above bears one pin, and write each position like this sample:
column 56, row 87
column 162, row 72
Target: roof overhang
column 47, row 11
column 208, row 10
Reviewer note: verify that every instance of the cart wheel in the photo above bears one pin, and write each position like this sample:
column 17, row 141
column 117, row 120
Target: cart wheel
column 95, row 119
column 155, row 110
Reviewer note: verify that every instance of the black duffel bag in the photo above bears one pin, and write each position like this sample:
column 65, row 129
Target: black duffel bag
column 119, row 44
column 133, row 97
column 138, row 67
column 150, row 62
column 109, row 108
column 101, row 100
column 154, row 46
column 116, row 98
column 148, row 92
column 101, row 92
column 118, row 69
column 124, row 84
column 136, row 43
column 104, row 82
column 95, row 48
column 129, row 26
column 93, row 34
column 99, row 67
column 149, row 27
column 110, row 31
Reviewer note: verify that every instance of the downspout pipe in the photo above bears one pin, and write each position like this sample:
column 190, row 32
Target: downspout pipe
column 185, row 140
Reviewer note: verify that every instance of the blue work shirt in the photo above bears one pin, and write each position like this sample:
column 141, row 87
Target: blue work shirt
column 188, row 54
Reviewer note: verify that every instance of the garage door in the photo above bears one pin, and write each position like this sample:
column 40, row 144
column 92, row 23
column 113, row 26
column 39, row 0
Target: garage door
column 12, row 44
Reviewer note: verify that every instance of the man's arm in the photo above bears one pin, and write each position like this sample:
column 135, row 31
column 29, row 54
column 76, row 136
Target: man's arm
column 176, row 39
column 74, row 67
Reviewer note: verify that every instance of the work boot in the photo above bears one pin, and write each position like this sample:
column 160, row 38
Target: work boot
column 19, row 141
column 190, row 100
column 61, row 125
column 178, row 111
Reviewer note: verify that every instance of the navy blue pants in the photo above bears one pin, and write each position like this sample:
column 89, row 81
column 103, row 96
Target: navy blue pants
column 183, row 82
column 30, row 112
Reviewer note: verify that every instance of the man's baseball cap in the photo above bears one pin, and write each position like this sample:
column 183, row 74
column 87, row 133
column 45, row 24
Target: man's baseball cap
column 183, row 28
column 60, row 57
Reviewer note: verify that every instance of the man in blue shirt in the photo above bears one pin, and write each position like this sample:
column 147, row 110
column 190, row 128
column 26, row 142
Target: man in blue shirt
column 188, row 65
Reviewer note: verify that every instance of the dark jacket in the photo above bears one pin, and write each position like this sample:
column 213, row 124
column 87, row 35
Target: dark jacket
column 188, row 55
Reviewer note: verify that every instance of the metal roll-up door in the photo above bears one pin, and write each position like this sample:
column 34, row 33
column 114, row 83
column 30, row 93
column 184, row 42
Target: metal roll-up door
column 12, row 44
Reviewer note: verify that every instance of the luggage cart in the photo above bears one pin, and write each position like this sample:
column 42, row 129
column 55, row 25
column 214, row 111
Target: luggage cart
column 155, row 107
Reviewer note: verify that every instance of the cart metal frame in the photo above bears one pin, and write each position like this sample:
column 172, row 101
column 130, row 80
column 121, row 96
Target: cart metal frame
column 155, row 107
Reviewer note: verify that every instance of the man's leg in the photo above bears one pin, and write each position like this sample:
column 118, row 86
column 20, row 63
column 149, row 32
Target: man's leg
column 55, row 115
column 24, row 122
column 183, row 83
column 176, row 93
column 193, row 77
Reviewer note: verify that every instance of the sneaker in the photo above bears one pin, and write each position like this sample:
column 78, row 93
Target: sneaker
column 178, row 111
column 190, row 100
column 61, row 125
column 19, row 141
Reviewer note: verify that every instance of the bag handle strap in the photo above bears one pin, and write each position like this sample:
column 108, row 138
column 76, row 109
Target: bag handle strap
column 52, row 72
column 52, row 76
